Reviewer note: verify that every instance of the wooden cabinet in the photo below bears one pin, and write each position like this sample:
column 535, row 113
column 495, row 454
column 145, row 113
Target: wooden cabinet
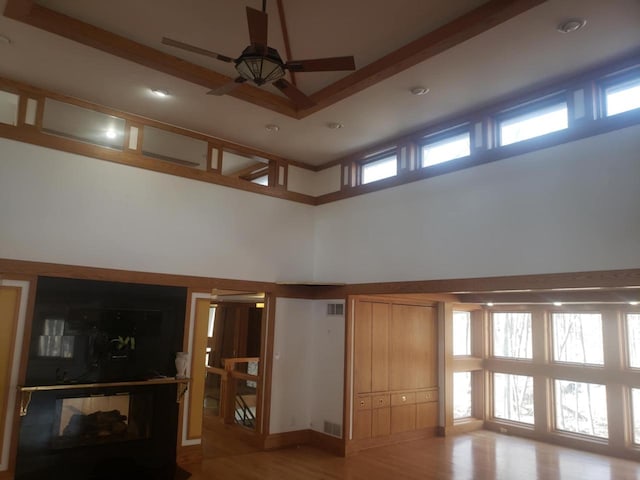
column 394, row 369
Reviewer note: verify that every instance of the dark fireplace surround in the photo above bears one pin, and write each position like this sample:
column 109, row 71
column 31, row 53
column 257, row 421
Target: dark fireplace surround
column 104, row 344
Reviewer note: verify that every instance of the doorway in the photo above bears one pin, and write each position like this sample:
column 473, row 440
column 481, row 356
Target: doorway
column 232, row 404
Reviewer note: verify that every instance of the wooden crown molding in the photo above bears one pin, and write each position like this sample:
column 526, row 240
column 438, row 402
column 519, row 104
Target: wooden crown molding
column 475, row 22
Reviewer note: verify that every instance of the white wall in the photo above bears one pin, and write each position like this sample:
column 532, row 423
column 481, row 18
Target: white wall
column 308, row 366
column 574, row 207
column 313, row 183
column 291, row 386
column 327, row 365
column 63, row 208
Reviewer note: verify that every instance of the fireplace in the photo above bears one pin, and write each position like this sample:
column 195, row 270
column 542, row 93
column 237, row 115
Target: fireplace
column 102, row 404
column 96, row 420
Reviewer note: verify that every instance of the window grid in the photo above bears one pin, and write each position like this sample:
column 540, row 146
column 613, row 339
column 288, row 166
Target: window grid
column 577, row 392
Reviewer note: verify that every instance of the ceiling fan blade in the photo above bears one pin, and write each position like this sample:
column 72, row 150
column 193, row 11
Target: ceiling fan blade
column 296, row 96
column 194, row 49
column 322, row 64
column 227, row 87
column 258, row 23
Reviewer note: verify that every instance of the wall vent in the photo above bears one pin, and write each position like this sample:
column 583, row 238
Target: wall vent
column 334, row 429
column 335, row 309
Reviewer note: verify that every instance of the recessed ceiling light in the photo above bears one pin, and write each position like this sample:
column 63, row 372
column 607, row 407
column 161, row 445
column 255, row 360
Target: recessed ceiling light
column 489, row 304
column 272, row 127
column 335, row 125
column 417, row 91
column 160, row 93
column 571, row 25
column 633, row 304
column 5, row 39
column 557, row 304
column 111, row 134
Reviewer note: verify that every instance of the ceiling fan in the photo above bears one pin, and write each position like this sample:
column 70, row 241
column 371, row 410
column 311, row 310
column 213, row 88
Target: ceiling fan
column 262, row 64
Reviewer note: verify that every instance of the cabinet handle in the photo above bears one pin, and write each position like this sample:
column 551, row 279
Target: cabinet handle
column 380, row 401
column 362, row 403
column 404, row 398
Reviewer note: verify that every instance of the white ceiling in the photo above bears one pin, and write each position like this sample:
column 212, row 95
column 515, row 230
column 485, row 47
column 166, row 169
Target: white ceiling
column 514, row 55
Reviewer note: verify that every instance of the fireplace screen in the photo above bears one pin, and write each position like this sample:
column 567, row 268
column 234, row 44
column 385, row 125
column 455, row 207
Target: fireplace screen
column 102, row 419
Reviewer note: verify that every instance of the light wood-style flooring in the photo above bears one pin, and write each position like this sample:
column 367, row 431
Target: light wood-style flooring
column 476, row 456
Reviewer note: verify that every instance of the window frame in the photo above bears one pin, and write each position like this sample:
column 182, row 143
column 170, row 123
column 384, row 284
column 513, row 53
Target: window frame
column 528, row 108
column 377, row 157
column 552, row 360
column 569, row 433
column 441, row 136
column 490, row 339
column 617, row 78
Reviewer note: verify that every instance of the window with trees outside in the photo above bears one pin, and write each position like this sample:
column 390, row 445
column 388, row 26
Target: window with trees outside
column 633, row 339
column 635, row 400
column 461, row 333
column 577, row 338
column 462, row 400
column 581, row 408
column 512, row 335
column 513, row 397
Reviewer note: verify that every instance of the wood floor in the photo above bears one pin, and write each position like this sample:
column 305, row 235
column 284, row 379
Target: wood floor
column 477, row 456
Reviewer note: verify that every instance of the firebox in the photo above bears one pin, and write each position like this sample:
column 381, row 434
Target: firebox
column 100, row 419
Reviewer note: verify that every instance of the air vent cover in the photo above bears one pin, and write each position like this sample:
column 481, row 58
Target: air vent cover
column 335, row 309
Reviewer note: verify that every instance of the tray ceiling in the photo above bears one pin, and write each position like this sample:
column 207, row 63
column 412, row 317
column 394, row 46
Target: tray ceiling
column 466, row 64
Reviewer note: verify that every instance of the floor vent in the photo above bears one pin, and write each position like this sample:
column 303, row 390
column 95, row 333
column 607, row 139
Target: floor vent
column 335, row 309
column 334, row 429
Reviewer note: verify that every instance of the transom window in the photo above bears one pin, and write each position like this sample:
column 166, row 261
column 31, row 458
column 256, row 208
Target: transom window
column 534, row 123
column 512, row 335
column 581, row 408
column 577, row 338
column 622, row 97
column 380, row 168
column 446, row 149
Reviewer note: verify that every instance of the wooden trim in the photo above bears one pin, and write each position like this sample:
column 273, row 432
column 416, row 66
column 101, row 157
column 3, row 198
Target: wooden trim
column 267, row 334
column 441, row 39
column 287, row 439
column 10, row 267
column 9, row 327
column 285, row 38
column 598, row 278
column 327, row 443
column 354, row 446
column 92, row 36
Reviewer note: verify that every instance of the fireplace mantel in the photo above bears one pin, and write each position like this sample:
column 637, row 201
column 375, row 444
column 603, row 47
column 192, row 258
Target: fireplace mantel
column 25, row 392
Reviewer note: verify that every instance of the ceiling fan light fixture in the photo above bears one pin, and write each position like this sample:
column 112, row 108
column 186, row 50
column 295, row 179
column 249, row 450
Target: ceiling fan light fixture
column 260, row 68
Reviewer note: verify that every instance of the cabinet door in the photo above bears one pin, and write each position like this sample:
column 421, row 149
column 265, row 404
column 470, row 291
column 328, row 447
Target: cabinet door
column 412, row 347
column 427, row 415
column 380, row 422
column 362, row 348
column 380, row 347
column 403, row 418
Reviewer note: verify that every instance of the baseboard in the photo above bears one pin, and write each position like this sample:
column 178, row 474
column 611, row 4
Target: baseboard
column 354, row 446
column 287, row 439
column 327, row 443
column 319, row 440
column 188, row 455
column 461, row 427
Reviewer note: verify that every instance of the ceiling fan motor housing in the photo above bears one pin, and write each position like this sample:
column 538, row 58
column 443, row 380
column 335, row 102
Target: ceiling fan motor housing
column 260, row 65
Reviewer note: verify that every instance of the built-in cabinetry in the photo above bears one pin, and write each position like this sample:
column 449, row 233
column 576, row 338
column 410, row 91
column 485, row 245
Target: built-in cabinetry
column 395, row 371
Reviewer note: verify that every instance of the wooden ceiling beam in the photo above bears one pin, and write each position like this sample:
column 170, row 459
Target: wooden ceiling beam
column 479, row 20
column 51, row 21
